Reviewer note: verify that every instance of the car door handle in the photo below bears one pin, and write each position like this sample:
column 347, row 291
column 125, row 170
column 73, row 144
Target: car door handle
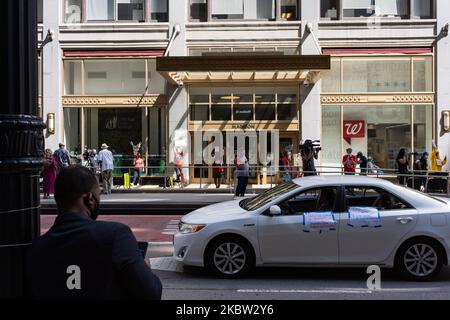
column 405, row 220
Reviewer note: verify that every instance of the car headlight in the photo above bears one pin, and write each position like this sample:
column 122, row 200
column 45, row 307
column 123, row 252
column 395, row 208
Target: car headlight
column 190, row 228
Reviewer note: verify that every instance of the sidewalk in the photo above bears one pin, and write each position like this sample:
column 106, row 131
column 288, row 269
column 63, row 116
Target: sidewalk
column 191, row 188
column 156, row 203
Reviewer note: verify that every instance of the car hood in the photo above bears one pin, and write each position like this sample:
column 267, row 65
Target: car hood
column 214, row 213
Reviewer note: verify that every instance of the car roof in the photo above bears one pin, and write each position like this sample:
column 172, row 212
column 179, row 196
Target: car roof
column 338, row 179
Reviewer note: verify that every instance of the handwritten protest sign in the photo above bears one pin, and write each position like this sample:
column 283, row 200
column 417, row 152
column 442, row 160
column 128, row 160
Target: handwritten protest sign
column 364, row 217
column 319, row 221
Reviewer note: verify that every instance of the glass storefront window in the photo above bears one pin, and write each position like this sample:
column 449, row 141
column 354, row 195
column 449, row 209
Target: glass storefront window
column 73, row 11
column 72, row 77
column 423, row 74
column 114, row 76
column 220, row 112
column 379, row 74
column 423, row 128
column 376, row 75
column 265, row 112
column 378, row 131
column 243, row 103
column 264, row 95
column 287, row 112
column 243, row 112
column 230, row 9
column 331, row 138
column 72, row 136
column 199, row 112
column 331, row 80
column 387, row 129
column 157, row 83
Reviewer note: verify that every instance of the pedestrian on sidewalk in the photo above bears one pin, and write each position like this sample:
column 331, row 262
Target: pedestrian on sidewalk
column 80, row 258
column 179, row 163
column 217, row 168
column 285, row 167
column 349, row 162
column 49, row 174
column 62, row 157
column 242, row 176
column 363, row 163
column 138, row 163
column 402, row 165
column 106, row 162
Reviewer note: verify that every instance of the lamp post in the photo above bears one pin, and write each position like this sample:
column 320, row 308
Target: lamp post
column 21, row 142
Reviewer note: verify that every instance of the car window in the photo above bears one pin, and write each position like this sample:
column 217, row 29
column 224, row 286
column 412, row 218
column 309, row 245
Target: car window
column 373, row 197
column 267, row 196
column 312, row 200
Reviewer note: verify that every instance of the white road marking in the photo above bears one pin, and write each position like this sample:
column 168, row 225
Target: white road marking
column 166, row 264
column 345, row 290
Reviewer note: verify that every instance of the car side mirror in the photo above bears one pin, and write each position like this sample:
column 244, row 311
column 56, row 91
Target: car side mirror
column 275, row 211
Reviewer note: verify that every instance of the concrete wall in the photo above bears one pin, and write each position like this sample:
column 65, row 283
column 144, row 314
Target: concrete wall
column 311, row 117
column 177, row 95
column 51, row 54
column 442, row 76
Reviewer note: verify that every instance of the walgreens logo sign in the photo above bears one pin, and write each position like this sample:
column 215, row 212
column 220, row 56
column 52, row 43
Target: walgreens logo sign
column 354, row 129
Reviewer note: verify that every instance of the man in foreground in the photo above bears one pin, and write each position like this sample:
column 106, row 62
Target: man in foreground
column 81, row 258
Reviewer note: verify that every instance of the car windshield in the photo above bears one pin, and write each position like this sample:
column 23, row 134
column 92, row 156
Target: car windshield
column 254, row 203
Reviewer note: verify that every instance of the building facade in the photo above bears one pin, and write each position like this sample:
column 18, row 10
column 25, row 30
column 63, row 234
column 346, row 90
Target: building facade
column 121, row 71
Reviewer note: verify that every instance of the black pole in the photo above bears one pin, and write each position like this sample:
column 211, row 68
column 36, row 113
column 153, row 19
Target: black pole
column 21, row 142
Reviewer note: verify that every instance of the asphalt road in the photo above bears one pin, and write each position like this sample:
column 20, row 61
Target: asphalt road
column 288, row 283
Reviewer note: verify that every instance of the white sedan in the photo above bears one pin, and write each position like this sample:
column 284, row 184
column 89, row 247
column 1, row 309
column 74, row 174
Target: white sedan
column 349, row 221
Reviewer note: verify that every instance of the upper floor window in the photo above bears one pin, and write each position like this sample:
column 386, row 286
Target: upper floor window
column 77, row 11
column 210, row 10
column 40, row 11
column 404, row 9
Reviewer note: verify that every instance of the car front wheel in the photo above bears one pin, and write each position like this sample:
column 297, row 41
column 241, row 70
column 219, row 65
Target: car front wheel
column 419, row 260
column 229, row 257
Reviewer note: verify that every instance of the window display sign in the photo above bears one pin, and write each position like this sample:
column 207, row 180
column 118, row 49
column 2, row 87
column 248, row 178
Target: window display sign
column 353, row 129
column 364, row 217
column 319, row 221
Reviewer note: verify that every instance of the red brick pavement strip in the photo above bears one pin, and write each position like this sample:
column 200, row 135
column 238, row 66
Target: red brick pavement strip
column 145, row 228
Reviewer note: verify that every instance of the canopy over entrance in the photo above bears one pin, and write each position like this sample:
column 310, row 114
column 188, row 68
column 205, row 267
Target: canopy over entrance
column 243, row 68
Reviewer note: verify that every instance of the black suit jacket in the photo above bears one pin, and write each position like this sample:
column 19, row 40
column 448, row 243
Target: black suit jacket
column 107, row 254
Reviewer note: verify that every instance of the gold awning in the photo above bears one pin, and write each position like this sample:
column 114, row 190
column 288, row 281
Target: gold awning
column 242, row 68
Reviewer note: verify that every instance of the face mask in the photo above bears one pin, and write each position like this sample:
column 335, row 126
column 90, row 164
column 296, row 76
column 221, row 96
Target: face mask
column 94, row 211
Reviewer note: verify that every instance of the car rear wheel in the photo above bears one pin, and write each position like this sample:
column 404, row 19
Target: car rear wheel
column 419, row 260
column 229, row 257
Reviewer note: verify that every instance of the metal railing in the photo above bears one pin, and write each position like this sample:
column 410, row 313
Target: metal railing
column 203, row 175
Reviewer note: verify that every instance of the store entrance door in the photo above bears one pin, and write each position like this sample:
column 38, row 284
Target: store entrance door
column 288, row 141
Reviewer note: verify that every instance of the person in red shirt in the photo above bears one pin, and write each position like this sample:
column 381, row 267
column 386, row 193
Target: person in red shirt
column 138, row 163
column 349, row 162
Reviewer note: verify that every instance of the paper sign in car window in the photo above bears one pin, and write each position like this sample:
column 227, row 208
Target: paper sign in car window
column 319, row 221
column 364, row 217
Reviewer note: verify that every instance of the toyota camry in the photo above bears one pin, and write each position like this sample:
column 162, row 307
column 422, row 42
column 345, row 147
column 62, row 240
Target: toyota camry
column 326, row 221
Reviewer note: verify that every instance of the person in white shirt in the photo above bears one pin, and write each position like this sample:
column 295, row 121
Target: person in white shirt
column 105, row 160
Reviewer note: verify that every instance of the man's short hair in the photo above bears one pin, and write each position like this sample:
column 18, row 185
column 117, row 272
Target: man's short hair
column 71, row 183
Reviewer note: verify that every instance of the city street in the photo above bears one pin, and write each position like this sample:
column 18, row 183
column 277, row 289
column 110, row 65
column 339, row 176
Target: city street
column 264, row 283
